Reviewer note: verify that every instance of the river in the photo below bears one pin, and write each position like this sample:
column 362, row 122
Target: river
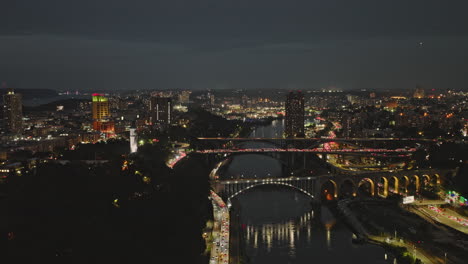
column 280, row 225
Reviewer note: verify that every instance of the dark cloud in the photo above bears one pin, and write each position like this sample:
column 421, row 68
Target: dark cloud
column 245, row 43
column 213, row 19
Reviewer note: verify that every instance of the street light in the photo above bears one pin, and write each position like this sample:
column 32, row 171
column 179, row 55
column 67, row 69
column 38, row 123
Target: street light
column 445, row 257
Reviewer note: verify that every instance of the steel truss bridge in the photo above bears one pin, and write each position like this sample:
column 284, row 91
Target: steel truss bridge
column 220, row 142
column 314, row 150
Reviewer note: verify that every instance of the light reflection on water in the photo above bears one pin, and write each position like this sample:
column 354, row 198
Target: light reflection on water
column 281, row 226
column 278, row 228
column 276, row 234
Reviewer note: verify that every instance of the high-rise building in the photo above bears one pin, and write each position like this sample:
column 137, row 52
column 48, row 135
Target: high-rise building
column 13, row 112
column 101, row 114
column 419, row 92
column 294, row 115
column 161, row 110
column 212, row 100
column 100, row 107
column 184, row 97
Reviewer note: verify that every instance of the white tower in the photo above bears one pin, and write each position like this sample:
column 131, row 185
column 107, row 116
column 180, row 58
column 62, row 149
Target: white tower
column 133, row 141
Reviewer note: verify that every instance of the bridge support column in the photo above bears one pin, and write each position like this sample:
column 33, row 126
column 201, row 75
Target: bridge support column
column 324, row 157
column 305, row 160
column 291, row 161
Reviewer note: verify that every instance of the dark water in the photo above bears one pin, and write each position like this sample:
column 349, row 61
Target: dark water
column 275, row 130
column 281, row 226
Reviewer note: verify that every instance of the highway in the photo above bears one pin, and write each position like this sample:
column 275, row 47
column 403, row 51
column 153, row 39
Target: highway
column 176, row 158
column 447, row 217
column 314, row 150
column 318, row 139
column 220, row 247
column 428, row 202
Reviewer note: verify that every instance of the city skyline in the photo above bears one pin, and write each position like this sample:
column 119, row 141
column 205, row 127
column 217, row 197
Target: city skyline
column 229, row 132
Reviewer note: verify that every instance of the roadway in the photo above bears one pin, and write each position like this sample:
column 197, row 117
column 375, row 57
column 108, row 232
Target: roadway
column 429, row 202
column 220, row 247
column 314, row 150
column 417, row 252
column 316, row 139
column 446, row 217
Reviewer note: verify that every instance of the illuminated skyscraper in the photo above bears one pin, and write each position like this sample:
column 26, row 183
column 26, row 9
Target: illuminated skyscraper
column 13, row 112
column 294, row 115
column 161, row 110
column 419, row 92
column 100, row 107
column 101, row 114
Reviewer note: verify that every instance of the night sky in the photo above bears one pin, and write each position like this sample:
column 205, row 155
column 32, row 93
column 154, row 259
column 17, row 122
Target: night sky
column 199, row 44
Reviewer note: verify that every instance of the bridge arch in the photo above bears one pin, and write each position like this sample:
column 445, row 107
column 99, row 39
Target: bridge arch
column 425, row 181
column 270, row 183
column 347, row 188
column 417, row 183
column 395, row 185
column 405, row 180
column 371, row 182
column 273, row 155
column 436, row 179
column 382, row 187
column 335, row 188
column 226, row 158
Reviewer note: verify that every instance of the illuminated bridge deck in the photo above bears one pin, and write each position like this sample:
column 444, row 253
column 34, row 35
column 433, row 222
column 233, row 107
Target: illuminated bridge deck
column 314, row 150
column 316, row 139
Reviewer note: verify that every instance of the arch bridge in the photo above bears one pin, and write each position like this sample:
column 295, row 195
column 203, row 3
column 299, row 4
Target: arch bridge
column 230, row 188
column 342, row 186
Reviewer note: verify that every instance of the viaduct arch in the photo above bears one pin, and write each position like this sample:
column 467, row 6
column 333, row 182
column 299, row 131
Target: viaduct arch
column 382, row 184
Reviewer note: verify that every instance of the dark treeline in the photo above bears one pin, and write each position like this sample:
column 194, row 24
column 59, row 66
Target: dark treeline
column 206, row 124
column 68, row 104
column 201, row 123
column 130, row 210
column 112, row 149
column 32, row 93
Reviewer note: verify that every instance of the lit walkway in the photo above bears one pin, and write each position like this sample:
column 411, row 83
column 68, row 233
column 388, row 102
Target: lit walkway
column 415, row 251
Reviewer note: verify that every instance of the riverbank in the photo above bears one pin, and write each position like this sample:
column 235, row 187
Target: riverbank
column 399, row 248
column 388, row 224
column 361, row 233
column 236, row 243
